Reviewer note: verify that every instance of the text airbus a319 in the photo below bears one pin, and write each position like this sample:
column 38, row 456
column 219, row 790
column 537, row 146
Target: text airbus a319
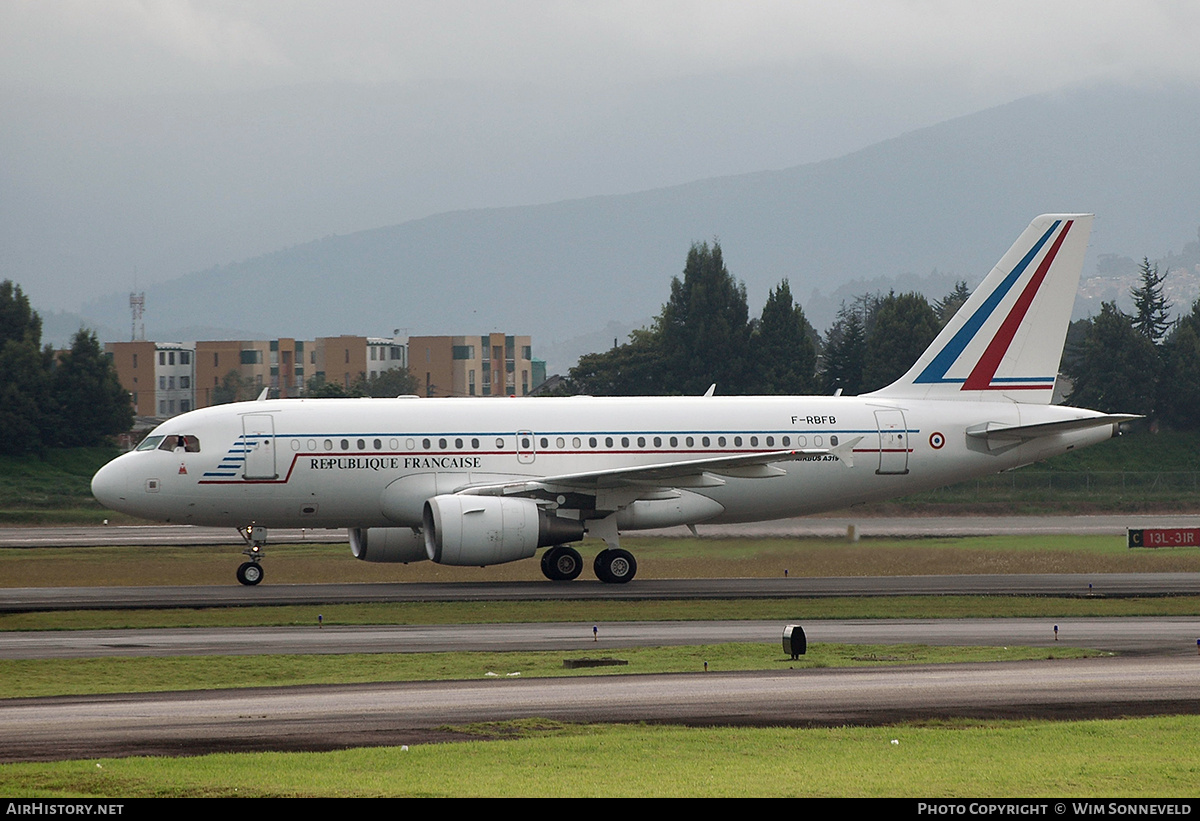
column 482, row 482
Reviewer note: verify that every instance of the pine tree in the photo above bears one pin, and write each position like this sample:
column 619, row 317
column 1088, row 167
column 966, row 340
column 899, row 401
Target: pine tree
column 27, row 411
column 704, row 329
column 904, row 326
column 781, row 348
column 1117, row 369
column 1150, row 307
column 1178, row 401
column 844, row 354
column 91, row 402
column 948, row 306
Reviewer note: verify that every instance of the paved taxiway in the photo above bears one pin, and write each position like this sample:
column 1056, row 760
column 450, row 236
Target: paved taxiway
column 1161, row 635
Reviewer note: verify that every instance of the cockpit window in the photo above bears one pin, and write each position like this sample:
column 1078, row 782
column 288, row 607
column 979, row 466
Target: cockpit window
column 175, row 441
column 188, row 443
column 150, row 443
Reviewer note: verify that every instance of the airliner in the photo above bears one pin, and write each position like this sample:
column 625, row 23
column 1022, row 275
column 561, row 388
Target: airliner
column 478, row 482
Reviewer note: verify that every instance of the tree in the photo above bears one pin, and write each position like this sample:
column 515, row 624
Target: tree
column 904, row 326
column 233, row 388
column 91, row 403
column 394, row 382
column 948, row 306
column 844, row 354
column 18, row 321
column 1150, row 307
column 701, row 336
column 703, row 330
column 1179, row 385
column 632, row 369
column 1117, row 367
column 27, row 411
column 781, row 347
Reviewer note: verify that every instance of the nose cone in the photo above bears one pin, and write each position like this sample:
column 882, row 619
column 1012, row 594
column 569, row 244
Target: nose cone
column 109, row 485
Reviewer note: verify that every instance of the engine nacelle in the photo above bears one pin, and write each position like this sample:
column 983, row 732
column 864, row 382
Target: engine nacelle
column 387, row 544
column 483, row 530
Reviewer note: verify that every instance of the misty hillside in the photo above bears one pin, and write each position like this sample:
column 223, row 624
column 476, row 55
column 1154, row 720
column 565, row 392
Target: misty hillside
column 951, row 197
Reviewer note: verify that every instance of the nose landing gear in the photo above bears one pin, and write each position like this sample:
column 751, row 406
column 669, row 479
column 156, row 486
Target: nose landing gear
column 251, row 573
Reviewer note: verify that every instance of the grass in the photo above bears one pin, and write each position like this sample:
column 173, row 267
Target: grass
column 657, row 558
column 1145, row 757
column 25, row 678
column 591, row 612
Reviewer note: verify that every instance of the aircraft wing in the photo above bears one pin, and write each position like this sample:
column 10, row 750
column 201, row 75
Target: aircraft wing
column 705, row 472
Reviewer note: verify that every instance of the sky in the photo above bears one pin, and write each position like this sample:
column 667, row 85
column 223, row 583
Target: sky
column 551, row 100
column 994, row 51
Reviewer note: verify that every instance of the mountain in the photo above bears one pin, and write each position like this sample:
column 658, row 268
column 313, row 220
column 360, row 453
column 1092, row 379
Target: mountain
column 949, row 198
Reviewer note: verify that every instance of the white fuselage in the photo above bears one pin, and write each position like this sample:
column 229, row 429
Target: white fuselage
column 363, row 463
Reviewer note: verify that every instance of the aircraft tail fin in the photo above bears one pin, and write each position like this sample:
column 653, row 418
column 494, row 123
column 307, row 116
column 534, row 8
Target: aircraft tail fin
column 1007, row 339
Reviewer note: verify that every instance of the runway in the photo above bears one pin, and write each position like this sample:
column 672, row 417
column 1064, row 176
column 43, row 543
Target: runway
column 1113, row 585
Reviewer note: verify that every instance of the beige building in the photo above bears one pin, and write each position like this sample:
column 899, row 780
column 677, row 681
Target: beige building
column 486, row 365
column 165, row 378
column 159, row 376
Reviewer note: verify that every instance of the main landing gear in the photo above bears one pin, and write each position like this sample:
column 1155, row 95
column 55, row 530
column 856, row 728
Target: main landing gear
column 562, row 563
column 613, row 565
column 251, row 573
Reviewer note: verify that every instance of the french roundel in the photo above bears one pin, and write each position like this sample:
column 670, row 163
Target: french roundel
column 936, row 440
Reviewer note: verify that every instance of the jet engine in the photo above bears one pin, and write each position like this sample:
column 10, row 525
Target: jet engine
column 483, row 530
column 387, row 544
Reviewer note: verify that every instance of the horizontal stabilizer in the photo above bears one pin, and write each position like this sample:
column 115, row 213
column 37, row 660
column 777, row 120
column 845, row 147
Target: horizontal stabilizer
column 997, row 432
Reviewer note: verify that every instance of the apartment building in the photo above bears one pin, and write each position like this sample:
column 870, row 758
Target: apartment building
column 486, row 365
